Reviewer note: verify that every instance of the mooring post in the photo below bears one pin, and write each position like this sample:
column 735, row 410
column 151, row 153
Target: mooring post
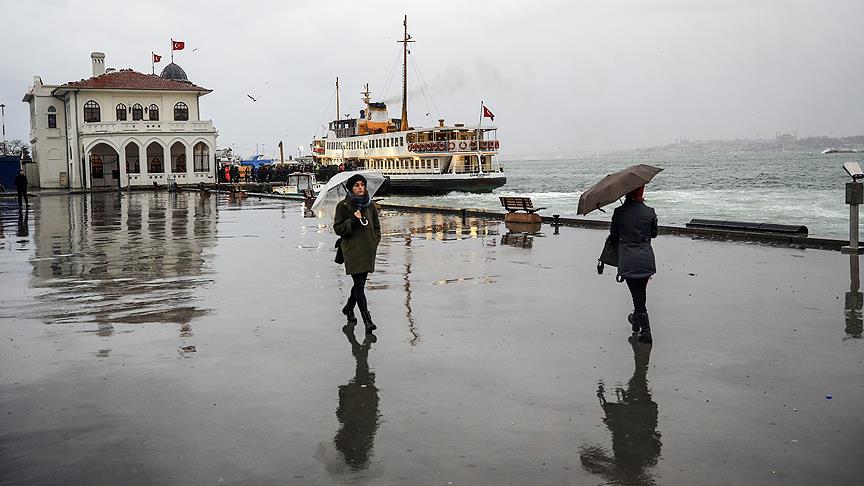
column 464, row 214
column 555, row 222
column 854, row 198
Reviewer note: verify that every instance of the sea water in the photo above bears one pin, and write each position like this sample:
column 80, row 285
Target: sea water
column 784, row 188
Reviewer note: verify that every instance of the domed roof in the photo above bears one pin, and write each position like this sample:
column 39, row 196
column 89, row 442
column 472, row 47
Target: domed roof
column 174, row 72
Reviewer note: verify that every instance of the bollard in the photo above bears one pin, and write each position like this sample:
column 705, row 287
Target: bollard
column 555, row 222
column 854, row 198
column 464, row 214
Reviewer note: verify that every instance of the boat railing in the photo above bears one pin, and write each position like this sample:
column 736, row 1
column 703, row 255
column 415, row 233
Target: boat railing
column 471, row 145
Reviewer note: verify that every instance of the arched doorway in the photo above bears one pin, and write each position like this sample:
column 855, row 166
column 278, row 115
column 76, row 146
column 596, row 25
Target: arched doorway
column 104, row 166
column 155, row 158
column 201, row 154
column 133, row 158
column 178, row 158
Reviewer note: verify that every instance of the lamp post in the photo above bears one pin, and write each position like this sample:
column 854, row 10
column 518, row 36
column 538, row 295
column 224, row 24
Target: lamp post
column 3, row 118
column 854, row 197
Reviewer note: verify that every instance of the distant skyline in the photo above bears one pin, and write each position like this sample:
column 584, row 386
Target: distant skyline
column 561, row 77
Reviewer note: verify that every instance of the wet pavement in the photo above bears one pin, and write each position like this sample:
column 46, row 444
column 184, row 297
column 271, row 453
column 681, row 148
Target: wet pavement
column 170, row 339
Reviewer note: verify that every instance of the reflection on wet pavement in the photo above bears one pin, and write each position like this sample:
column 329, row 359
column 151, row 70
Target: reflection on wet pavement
column 357, row 411
column 854, row 300
column 113, row 258
column 632, row 420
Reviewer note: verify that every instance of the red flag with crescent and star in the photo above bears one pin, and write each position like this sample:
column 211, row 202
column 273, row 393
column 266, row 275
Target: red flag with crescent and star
column 488, row 114
column 156, row 57
column 177, row 45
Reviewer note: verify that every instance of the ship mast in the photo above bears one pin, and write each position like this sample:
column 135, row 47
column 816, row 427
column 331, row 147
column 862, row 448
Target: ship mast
column 338, row 116
column 405, row 40
column 365, row 94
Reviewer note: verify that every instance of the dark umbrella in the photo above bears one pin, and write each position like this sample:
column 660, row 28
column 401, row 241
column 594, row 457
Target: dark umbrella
column 615, row 186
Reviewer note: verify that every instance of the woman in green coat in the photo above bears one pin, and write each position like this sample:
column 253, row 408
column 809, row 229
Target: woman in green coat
column 357, row 224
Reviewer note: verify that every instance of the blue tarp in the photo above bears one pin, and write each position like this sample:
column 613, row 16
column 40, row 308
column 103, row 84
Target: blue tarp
column 9, row 167
column 257, row 161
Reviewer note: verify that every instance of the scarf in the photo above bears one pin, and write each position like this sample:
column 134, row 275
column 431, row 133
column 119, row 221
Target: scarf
column 361, row 202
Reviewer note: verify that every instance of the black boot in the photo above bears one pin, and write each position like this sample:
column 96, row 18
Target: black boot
column 634, row 324
column 367, row 321
column 644, row 327
column 348, row 310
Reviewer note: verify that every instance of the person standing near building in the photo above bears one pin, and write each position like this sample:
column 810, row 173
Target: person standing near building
column 356, row 222
column 21, row 185
column 634, row 224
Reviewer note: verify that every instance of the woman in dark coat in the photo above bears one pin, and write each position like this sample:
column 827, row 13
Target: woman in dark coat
column 634, row 225
column 356, row 221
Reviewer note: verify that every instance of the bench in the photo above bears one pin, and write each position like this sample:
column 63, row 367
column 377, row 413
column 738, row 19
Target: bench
column 515, row 204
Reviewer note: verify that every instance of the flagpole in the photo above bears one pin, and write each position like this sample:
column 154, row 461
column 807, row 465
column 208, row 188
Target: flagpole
column 153, row 62
column 479, row 158
column 172, row 50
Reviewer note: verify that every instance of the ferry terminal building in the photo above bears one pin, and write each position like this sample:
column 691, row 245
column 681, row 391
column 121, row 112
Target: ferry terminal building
column 119, row 129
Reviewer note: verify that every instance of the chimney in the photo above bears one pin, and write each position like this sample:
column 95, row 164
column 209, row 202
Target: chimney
column 98, row 59
column 441, row 122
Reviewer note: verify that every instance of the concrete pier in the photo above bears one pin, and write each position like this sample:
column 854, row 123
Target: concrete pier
column 155, row 338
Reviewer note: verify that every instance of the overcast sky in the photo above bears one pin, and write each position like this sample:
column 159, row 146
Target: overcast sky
column 569, row 76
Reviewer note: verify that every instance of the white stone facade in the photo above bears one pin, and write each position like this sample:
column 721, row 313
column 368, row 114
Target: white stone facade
column 71, row 149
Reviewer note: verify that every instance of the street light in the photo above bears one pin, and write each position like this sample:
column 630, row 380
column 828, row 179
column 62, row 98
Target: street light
column 3, row 118
column 854, row 197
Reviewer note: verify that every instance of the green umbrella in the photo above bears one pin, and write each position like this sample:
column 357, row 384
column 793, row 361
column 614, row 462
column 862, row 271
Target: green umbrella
column 615, row 186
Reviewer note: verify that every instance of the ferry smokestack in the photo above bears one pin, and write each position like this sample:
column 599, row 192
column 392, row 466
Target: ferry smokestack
column 98, row 60
column 441, row 122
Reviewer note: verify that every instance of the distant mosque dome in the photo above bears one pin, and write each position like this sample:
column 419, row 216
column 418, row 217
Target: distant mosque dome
column 174, row 72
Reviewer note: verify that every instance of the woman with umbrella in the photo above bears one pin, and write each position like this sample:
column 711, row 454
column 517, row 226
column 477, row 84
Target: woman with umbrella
column 356, row 222
column 634, row 224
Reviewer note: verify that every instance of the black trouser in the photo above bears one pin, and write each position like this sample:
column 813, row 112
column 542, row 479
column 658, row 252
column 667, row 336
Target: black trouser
column 22, row 194
column 358, row 295
column 638, row 287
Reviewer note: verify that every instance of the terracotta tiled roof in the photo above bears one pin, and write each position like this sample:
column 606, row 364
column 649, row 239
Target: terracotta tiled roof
column 129, row 79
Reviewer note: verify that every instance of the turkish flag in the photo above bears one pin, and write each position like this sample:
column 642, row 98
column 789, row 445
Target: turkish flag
column 488, row 114
column 157, row 58
column 177, row 45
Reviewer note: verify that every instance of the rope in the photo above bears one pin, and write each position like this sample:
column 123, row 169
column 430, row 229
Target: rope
column 386, row 91
column 323, row 115
column 423, row 81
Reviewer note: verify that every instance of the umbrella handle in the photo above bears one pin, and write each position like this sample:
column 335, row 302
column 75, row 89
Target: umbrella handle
column 364, row 222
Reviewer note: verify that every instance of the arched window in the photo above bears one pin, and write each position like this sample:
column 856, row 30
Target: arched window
column 155, row 156
column 133, row 164
column 52, row 117
column 181, row 112
column 137, row 112
column 121, row 112
column 91, row 112
column 201, row 156
column 153, row 112
column 178, row 157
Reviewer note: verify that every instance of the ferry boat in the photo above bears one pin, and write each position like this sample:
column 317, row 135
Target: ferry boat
column 433, row 160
